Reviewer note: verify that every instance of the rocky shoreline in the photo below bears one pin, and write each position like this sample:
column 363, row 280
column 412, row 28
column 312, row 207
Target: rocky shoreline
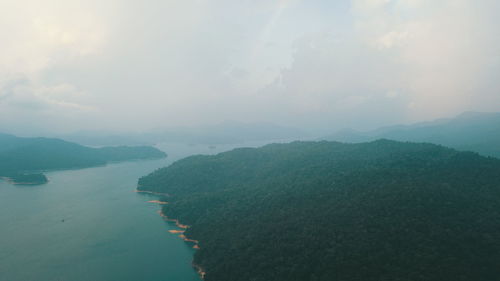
column 182, row 228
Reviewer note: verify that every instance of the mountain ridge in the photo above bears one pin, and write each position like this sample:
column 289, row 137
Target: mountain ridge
column 474, row 131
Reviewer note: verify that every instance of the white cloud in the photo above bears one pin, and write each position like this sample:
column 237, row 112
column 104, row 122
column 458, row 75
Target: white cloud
column 312, row 63
column 36, row 37
column 392, row 39
column 435, row 55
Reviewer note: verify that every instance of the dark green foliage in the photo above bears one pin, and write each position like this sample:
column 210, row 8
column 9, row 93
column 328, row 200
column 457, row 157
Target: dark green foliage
column 379, row 211
column 30, row 154
column 28, row 179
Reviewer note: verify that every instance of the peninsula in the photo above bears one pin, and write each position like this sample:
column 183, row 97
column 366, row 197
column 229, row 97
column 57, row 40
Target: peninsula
column 310, row 211
column 22, row 159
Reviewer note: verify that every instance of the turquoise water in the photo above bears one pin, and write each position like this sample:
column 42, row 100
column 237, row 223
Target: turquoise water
column 88, row 224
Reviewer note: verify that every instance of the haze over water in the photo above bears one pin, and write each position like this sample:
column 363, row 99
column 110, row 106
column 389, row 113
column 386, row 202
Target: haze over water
column 88, row 224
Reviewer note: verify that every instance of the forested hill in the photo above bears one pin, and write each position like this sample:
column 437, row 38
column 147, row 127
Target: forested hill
column 374, row 211
column 18, row 155
column 474, row 131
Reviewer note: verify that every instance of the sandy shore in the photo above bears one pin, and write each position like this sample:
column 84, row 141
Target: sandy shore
column 201, row 272
column 158, row 202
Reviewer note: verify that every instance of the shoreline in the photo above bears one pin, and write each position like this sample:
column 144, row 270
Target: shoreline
column 177, row 223
column 199, row 270
column 14, row 182
column 158, row 202
column 151, row 192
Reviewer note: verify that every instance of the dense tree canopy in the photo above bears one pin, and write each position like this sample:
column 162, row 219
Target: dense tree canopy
column 20, row 155
column 28, row 179
column 379, row 211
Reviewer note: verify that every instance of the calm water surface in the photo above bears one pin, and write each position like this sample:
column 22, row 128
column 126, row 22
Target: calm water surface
column 88, row 224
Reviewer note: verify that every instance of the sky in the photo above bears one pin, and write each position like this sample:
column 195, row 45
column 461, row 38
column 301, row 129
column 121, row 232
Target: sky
column 123, row 65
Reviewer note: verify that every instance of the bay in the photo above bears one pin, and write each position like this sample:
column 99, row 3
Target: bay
column 89, row 224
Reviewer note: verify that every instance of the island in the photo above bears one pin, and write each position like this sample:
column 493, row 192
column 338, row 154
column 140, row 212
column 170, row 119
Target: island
column 329, row 211
column 22, row 160
column 28, row 179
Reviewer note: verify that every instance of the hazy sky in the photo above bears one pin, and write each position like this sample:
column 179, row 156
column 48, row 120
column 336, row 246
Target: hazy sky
column 130, row 65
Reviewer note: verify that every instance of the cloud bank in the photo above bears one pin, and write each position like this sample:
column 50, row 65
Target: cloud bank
column 136, row 65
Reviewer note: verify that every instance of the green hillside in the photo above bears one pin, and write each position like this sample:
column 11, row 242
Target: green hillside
column 22, row 155
column 375, row 211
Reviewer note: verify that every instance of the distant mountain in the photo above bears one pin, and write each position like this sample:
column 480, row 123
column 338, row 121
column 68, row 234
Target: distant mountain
column 328, row 211
column 21, row 155
column 474, row 131
column 223, row 133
